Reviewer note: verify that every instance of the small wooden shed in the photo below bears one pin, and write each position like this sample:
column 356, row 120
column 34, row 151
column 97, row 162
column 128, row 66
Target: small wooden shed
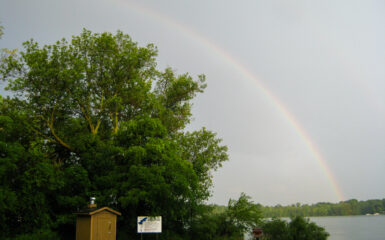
column 96, row 224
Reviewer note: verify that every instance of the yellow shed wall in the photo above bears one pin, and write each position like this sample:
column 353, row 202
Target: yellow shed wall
column 104, row 226
column 83, row 225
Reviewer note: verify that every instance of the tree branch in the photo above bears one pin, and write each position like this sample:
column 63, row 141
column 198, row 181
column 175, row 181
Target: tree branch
column 57, row 138
column 86, row 116
column 101, row 109
column 40, row 133
column 116, row 123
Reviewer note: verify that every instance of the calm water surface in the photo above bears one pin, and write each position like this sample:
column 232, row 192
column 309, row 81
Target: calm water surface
column 353, row 227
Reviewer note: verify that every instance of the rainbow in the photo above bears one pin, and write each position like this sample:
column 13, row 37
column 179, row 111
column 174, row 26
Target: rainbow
column 249, row 75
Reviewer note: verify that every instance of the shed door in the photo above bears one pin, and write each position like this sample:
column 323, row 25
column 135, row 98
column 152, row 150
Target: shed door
column 105, row 227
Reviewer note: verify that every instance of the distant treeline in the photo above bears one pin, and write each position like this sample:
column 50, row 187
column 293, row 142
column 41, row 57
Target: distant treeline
column 344, row 208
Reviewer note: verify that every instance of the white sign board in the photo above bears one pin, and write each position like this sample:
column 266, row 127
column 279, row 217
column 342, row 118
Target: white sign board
column 149, row 224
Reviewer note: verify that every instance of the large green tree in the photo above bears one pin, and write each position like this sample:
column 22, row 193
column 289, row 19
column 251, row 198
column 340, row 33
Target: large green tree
column 95, row 117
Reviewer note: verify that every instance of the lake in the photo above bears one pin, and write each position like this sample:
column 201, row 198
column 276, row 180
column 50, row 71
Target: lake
column 353, row 227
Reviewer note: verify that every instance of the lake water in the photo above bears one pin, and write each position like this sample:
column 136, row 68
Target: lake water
column 353, row 227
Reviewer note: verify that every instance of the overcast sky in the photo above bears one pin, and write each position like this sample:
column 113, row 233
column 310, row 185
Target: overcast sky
column 321, row 62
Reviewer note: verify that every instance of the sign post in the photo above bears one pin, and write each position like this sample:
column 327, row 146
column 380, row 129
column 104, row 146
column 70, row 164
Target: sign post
column 147, row 224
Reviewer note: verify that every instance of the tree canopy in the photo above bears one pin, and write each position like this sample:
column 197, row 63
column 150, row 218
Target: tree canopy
column 298, row 228
column 95, row 117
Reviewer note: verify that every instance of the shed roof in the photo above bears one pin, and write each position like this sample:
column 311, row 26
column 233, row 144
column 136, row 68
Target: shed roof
column 92, row 211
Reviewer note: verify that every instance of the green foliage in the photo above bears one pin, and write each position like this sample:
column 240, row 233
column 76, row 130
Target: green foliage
column 28, row 178
column 243, row 213
column 94, row 117
column 203, row 150
column 343, row 208
column 174, row 93
column 299, row 228
column 276, row 229
column 43, row 234
column 302, row 229
column 232, row 222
